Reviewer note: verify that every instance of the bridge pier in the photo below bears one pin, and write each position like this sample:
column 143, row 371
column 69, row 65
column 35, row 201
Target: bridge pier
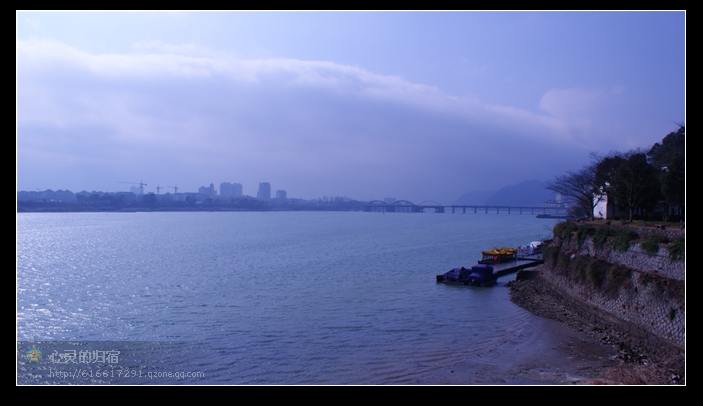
column 464, row 210
column 453, row 209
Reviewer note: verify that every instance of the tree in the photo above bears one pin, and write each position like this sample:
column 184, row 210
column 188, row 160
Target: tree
column 671, row 147
column 669, row 158
column 673, row 185
column 632, row 182
column 580, row 189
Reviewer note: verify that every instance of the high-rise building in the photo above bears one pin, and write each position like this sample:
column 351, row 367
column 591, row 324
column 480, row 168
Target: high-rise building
column 237, row 190
column 230, row 190
column 264, row 191
column 281, row 195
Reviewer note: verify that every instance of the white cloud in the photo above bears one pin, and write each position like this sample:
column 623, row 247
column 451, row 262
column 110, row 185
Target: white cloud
column 159, row 61
column 183, row 111
column 580, row 108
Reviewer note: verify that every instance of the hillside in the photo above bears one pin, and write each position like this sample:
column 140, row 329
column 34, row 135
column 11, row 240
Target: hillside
column 526, row 193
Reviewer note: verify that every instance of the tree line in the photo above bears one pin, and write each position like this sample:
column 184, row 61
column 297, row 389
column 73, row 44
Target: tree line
column 637, row 184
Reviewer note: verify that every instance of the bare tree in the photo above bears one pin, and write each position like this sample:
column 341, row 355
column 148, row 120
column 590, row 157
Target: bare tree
column 580, row 189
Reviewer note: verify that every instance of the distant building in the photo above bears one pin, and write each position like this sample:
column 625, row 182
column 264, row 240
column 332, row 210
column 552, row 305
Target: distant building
column 237, row 190
column 189, row 197
column 230, row 190
column 600, row 208
column 47, row 196
column 208, row 191
column 264, row 191
column 136, row 190
column 127, row 197
column 281, row 195
column 179, row 197
column 604, row 208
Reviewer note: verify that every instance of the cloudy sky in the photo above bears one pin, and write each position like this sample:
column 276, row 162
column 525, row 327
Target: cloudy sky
column 420, row 106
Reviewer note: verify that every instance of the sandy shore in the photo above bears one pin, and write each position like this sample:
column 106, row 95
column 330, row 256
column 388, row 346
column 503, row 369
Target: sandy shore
column 640, row 357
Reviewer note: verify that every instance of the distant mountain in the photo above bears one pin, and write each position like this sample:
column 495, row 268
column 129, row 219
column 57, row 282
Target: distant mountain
column 477, row 197
column 527, row 193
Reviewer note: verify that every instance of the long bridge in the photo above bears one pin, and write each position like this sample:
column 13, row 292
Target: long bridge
column 405, row 206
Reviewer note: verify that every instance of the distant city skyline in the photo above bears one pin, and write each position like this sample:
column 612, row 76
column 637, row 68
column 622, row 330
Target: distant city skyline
column 424, row 105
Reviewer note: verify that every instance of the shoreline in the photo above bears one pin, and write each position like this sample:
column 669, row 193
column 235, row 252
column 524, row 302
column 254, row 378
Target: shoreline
column 642, row 358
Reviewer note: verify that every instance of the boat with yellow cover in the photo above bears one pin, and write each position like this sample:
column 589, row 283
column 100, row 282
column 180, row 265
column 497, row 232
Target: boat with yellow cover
column 498, row 255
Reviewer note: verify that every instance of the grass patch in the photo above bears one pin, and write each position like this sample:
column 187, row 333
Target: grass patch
column 579, row 267
column 582, row 233
column 618, row 277
column 669, row 289
column 676, row 249
column 650, row 244
column 623, row 239
column 596, row 273
column 565, row 230
column 559, row 228
column 601, row 236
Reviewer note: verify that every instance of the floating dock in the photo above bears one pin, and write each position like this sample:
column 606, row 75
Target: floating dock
column 506, row 268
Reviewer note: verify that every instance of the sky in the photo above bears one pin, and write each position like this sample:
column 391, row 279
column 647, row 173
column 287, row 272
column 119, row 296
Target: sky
column 411, row 105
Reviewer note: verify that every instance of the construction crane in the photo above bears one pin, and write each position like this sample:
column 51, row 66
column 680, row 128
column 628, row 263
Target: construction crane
column 140, row 183
column 175, row 189
column 158, row 188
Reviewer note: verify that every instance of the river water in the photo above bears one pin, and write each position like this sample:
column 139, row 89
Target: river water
column 281, row 298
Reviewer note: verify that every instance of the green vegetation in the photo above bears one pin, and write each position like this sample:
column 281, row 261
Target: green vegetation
column 670, row 154
column 618, row 276
column 650, row 244
column 582, row 233
column 601, row 236
column 578, row 269
column 596, row 273
column 564, row 230
column 631, row 181
column 643, row 185
column 606, row 278
column 623, row 239
column 676, row 249
column 550, row 255
column 558, row 229
column 664, row 287
column 619, row 237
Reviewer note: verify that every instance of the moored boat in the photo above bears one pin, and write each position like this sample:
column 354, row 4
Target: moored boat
column 498, row 255
column 477, row 275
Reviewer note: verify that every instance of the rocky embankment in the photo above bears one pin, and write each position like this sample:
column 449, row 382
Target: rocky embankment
column 636, row 309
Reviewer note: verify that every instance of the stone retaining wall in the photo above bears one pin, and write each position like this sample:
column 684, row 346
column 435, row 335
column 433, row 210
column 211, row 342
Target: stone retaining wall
column 645, row 290
column 635, row 257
